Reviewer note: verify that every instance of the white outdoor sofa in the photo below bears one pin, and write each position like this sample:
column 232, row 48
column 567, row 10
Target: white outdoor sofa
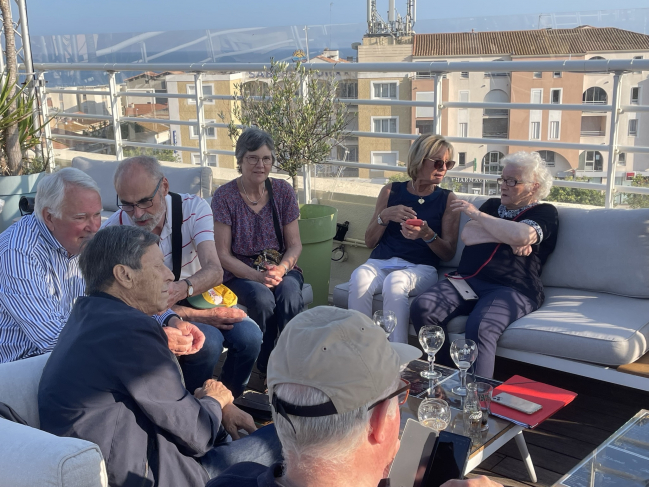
column 596, row 311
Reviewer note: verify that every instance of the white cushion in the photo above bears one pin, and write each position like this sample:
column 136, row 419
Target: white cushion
column 585, row 326
column 19, row 387
column 601, row 250
column 31, row 457
column 182, row 178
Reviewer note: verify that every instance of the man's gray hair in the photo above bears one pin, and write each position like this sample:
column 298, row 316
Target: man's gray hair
column 52, row 189
column 148, row 163
column 534, row 169
column 120, row 244
column 330, row 439
column 250, row 140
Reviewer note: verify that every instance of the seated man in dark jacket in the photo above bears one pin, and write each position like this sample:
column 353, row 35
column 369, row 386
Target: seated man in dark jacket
column 112, row 380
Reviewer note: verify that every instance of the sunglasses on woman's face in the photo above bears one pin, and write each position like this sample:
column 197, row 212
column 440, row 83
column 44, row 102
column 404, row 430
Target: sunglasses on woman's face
column 440, row 163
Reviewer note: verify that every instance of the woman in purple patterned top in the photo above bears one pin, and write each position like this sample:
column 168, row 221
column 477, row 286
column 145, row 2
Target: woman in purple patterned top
column 243, row 228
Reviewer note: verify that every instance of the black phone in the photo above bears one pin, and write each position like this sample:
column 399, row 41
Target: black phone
column 449, row 458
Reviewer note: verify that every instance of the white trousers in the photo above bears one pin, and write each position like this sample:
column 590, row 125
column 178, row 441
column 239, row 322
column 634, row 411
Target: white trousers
column 396, row 279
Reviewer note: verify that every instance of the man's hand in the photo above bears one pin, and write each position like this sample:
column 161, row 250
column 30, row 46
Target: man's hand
column 234, row 419
column 190, row 330
column 215, row 390
column 177, row 292
column 183, row 338
column 178, row 343
column 220, row 317
column 523, row 251
column 480, row 481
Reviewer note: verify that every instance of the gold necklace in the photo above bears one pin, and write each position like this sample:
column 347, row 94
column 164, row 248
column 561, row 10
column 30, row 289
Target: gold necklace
column 254, row 203
column 421, row 200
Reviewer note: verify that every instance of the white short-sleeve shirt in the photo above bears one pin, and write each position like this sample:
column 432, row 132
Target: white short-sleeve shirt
column 197, row 227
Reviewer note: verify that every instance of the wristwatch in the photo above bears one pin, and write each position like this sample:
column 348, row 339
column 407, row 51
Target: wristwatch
column 285, row 269
column 190, row 288
column 381, row 222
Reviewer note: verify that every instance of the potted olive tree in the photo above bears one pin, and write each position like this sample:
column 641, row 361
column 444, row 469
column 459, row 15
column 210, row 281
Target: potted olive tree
column 302, row 114
column 20, row 169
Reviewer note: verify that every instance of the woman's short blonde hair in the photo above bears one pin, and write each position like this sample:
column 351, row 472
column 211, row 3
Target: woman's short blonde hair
column 428, row 145
column 534, row 169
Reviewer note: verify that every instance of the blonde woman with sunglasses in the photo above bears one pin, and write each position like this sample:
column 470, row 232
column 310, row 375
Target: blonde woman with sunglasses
column 411, row 231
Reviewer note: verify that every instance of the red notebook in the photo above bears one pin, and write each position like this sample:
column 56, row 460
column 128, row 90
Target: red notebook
column 549, row 397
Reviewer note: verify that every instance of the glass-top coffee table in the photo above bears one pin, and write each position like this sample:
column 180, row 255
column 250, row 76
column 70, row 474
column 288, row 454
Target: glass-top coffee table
column 621, row 461
column 483, row 444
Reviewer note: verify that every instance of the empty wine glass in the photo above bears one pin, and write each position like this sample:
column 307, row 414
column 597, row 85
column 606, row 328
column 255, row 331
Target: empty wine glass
column 386, row 320
column 431, row 338
column 463, row 352
column 434, row 413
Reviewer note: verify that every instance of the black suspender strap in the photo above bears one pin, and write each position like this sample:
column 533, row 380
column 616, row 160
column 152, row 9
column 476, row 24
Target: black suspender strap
column 278, row 232
column 176, row 233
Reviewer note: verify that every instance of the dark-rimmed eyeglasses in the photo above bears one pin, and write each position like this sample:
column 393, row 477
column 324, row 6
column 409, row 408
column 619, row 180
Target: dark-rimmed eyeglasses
column 402, row 394
column 143, row 204
column 254, row 160
column 511, row 182
column 440, row 163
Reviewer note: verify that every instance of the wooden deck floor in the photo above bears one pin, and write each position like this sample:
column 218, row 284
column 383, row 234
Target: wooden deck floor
column 561, row 442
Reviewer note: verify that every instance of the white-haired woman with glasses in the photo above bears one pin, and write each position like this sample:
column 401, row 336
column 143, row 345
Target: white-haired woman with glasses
column 246, row 226
column 407, row 253
column 507, row 242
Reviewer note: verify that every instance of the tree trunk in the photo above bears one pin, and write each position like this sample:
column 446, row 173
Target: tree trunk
column 12, row 136
column 295, row 186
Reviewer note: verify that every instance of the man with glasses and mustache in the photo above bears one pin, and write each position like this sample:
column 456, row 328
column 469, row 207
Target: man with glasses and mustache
column 196, row 336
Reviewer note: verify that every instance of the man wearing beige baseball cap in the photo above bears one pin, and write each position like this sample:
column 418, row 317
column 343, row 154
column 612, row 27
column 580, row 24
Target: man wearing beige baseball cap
column 334, row 382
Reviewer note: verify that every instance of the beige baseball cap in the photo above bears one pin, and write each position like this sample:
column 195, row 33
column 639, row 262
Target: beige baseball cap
column 340, row 352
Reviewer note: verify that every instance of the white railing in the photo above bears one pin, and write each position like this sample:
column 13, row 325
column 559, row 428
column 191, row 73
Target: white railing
column 433, row 70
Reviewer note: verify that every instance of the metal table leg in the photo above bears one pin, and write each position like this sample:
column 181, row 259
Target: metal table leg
column 525, row 455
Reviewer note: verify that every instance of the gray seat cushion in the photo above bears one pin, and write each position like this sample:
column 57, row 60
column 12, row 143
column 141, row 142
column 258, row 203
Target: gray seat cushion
column 19, row 386
column 182, row 178
column 583, row 325
column 30, row 457
column 307, row 295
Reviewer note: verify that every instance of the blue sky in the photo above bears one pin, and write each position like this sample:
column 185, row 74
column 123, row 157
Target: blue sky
column 99, row 16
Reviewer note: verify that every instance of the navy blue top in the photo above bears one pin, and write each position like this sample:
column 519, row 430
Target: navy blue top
column 393, row 244
column 112, row 380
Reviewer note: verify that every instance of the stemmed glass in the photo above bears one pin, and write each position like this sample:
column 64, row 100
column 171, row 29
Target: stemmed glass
column 434, row 413
column 431, row 338
column 463, row 352
column 386, row 320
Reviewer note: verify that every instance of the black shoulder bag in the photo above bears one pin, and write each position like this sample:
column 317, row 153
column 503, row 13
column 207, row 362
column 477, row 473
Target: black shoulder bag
column 271, row 256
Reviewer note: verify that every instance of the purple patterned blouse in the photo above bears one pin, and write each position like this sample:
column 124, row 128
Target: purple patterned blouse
column 253, row 232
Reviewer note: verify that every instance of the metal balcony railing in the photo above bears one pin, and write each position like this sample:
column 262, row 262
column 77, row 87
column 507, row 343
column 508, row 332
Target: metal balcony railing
column 593, row 133
column 433, row 70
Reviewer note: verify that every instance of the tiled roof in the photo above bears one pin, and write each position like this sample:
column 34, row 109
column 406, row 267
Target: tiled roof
column 329, row 60
column 580, row 40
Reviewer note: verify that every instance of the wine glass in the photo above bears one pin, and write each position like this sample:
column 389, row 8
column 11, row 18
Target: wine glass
column 434, row 413
column 431, row 338
column 463, row 352
column 386, row 320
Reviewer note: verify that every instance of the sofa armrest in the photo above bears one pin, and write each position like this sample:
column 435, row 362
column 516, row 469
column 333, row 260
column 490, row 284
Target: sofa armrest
column 30, row 457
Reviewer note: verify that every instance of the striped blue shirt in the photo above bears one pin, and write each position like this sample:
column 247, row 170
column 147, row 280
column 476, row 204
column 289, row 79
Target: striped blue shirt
column 39, row 284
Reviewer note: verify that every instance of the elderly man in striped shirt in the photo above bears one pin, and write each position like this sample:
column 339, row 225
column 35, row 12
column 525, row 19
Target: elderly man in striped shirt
column 145, row 202
column 39, row 273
